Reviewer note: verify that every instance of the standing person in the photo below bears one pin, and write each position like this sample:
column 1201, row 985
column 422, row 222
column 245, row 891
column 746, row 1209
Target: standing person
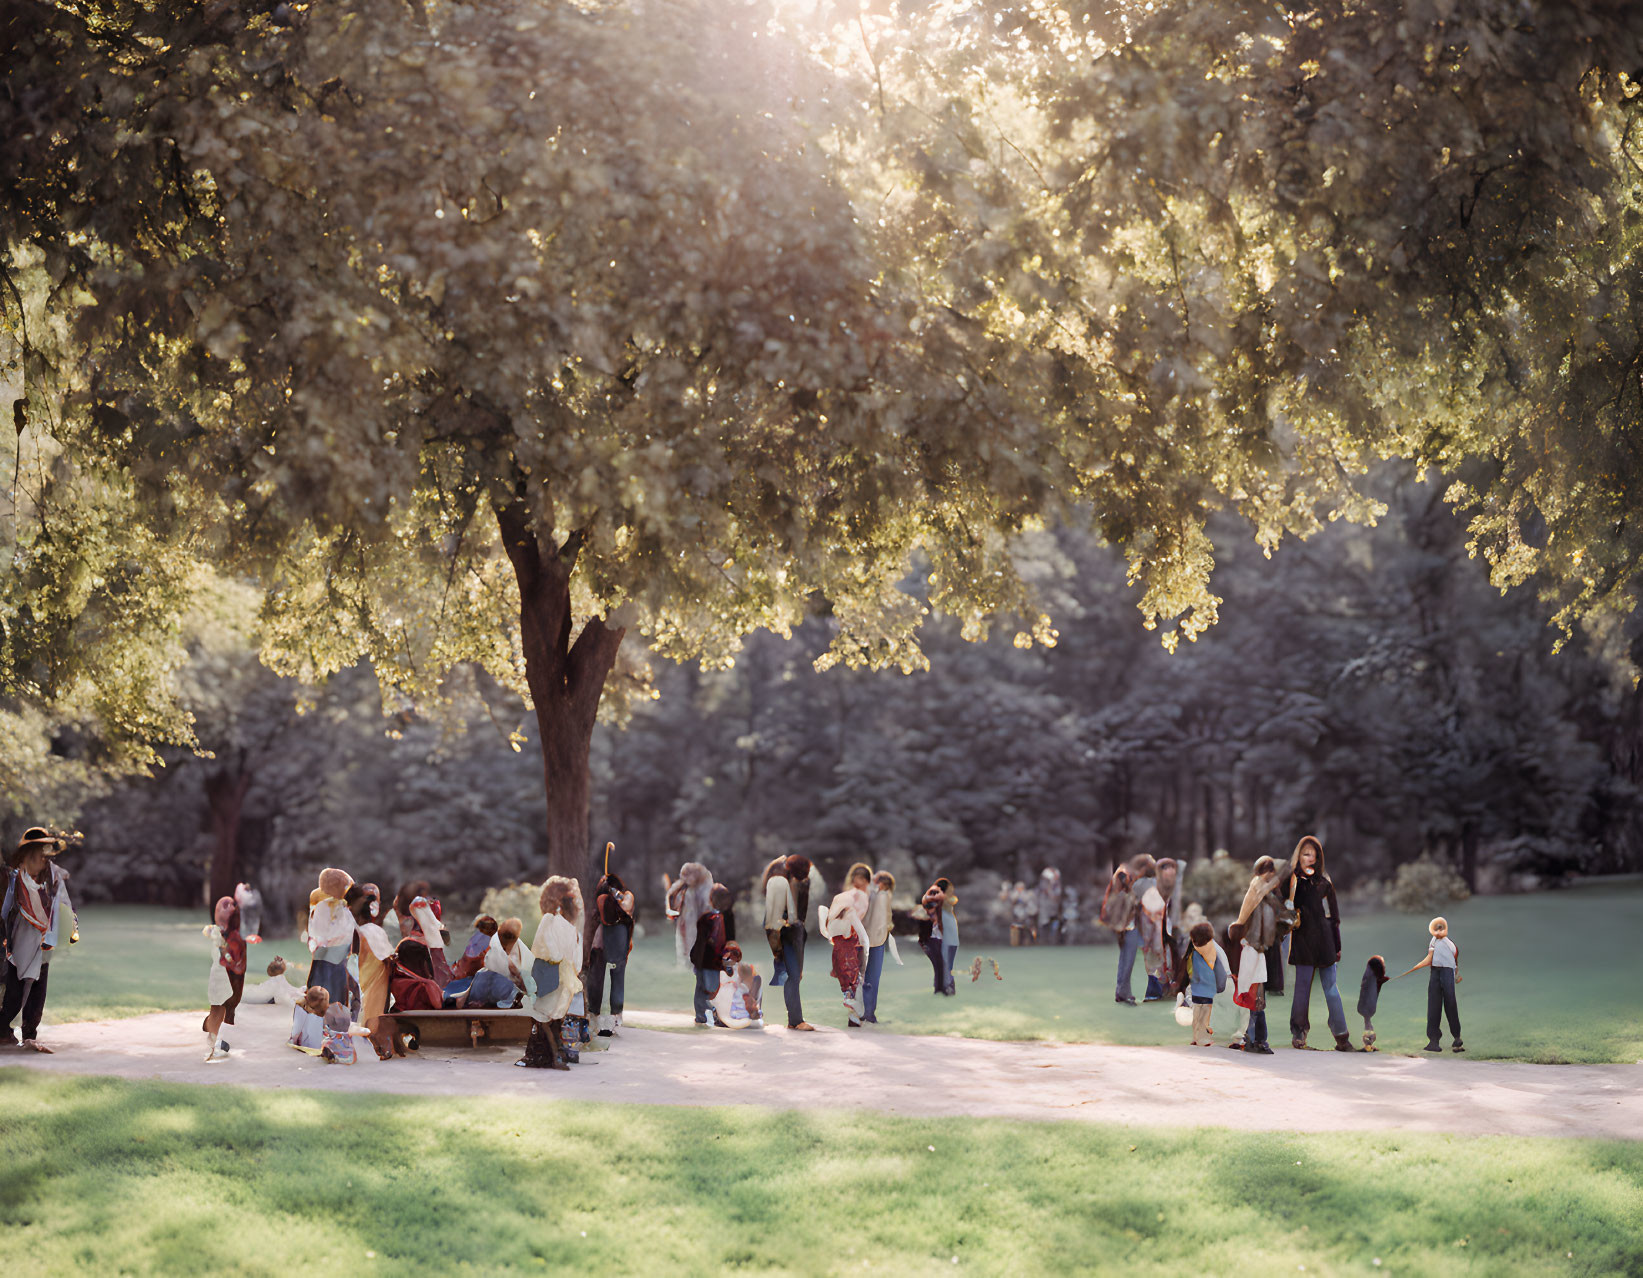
column 1047, row 906
column 1315, row 943
column 880, row 919
column 940, row 903
column 1258, row 957
column 707, row 953
column 330, row 934
column 227, row 918
column 1120, row 906
column 1443, row 957
column 612, row 943
column 844, row 923
column 786, row 901
column 557, row 951
column 1021, row 915
column 29, row 919
column 223, row 936
column 1069, row 915
column 365, row 903
column 1160, row 913
column 1203, row 975
column 687, row 901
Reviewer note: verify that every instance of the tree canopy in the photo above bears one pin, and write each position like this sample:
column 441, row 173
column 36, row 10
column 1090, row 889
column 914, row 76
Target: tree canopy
column 484, row 333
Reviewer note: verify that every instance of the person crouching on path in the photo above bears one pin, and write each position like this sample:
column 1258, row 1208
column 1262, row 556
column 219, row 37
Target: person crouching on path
column 1315, row 944
column 843, row 922
column 786, row 900
column 557, row 950
column 880, row 920
column 1258, row 955
column 707, row 953
column 28, row 922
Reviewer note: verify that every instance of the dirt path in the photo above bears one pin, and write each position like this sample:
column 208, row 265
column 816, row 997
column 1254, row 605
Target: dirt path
column 906, row 1074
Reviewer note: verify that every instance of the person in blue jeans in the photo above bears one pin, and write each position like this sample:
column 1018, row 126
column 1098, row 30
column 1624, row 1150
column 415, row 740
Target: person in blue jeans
column 786, row 898
column 879, row 921
column 1119, row 906
column 707, row 955
column 939, row 904
column 612, row 939
column 1315, row 944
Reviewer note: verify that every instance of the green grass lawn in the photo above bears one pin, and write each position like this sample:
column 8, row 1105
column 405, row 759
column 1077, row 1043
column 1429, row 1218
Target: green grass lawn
column 1544, row 980
column 105, row 1175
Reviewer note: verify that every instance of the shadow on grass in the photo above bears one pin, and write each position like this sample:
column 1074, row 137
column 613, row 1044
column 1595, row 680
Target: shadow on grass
column 120, row 1175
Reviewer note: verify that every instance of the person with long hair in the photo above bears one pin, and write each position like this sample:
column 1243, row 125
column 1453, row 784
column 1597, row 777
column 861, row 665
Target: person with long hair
column 879, row 924
column 612, row 943
column 557, row 954
column 421, row 917
column 786, row 902
column 939, row 933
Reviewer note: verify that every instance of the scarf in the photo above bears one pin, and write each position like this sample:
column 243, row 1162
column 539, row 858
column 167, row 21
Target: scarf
column 1207, row 953
column 29, row 905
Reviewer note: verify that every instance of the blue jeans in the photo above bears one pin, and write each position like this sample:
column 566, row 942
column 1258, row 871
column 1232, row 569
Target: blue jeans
column 615, row 952
column 1129, row 945
column 1299, row 1021
column 491, row 989
column 947, row 953
column 870, row 980
column 793, row 964
column 707, row 985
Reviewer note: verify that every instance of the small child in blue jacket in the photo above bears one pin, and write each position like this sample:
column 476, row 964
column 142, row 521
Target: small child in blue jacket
column 1208, row 972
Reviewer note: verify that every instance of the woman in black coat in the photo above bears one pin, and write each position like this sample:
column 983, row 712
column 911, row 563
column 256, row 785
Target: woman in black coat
column 1315, row 944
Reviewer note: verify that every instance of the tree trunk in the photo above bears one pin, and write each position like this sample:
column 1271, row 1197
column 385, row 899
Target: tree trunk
column 566, row 680
column 225, row 789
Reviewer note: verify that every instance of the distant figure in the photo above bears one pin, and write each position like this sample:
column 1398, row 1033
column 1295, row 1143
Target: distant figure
column 1069, row 915
column 250, row 902
column 1047, row 902
column 1021, row 915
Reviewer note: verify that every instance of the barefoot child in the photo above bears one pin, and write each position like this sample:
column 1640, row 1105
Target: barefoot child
column 1443, row 957
column 1206, row 976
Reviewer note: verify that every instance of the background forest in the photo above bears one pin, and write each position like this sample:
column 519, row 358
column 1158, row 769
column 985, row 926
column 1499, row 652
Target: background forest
column 1368, row 684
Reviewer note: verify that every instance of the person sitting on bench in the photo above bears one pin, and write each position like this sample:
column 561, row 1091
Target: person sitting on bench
column 501, row 981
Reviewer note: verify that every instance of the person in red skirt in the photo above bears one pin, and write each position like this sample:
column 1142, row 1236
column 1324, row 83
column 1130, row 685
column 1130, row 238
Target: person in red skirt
column 844, row 922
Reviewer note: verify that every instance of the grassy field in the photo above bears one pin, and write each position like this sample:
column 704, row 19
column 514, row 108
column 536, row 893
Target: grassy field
column 113, row 1176
column 1544, row 980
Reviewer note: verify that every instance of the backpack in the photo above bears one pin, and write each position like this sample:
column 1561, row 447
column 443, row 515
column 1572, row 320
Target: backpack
column 1118, row 906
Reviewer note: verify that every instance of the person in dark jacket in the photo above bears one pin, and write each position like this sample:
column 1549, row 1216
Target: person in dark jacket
column 707, row 955
column 1315, row 944
column 1369, row 996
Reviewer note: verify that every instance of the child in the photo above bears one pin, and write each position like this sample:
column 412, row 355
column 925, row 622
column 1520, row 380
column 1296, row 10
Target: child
column 1240, row 1005
column 308, row 1021
column 1206, row 977
column 1369, row 994
column 707, row 954
column 277, row 989
column 221, row 990
column 737, row 1002
column 337, row 1035
column 1443, row 957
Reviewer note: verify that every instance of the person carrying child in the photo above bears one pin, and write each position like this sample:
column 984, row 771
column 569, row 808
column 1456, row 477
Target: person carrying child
column 1443, row 957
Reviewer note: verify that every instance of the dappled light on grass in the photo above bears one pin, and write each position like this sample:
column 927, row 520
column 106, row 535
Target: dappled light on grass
column 100, row 1174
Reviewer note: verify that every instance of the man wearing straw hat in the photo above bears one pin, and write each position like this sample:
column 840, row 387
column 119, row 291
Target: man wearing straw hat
column 28, row 920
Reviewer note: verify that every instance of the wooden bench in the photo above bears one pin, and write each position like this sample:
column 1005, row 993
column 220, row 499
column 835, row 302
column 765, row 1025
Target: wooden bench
column 464, row 1027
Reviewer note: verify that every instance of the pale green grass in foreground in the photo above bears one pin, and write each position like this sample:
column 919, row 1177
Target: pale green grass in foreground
column 1545, row 980
column 105, row 1176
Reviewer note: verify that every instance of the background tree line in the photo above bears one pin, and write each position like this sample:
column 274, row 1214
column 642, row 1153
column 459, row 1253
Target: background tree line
column 1369, row 684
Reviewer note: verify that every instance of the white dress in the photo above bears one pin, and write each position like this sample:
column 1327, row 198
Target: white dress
column 217, row 987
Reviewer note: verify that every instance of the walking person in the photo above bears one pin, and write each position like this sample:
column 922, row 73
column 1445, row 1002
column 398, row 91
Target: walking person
column 844, row 923
column 941, row 944
column 1256, row 932
column 786, row 901
column 1315, row 944
column 612, row 943
column 28, row 921
column 879, row 923
column 1120, row 904
column 707, row 953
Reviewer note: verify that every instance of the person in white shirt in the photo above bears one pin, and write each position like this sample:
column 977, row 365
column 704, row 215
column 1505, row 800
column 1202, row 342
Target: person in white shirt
column 1443, row 957
column 501, row 981
column 277, row 989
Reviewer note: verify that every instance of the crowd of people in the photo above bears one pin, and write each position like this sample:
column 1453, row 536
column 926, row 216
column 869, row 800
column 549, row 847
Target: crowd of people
column 358, row 979
column 1290, row 916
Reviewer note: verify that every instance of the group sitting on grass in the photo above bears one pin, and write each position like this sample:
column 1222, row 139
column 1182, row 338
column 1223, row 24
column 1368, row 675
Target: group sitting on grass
column 1290, row 908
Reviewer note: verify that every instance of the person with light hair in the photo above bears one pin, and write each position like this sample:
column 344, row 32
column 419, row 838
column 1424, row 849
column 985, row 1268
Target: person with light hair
column 557, row 955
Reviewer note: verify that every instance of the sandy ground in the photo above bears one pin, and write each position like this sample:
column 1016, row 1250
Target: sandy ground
column 662, row 1060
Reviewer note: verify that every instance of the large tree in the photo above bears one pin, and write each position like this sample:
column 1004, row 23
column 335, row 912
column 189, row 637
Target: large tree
column 487, row 333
